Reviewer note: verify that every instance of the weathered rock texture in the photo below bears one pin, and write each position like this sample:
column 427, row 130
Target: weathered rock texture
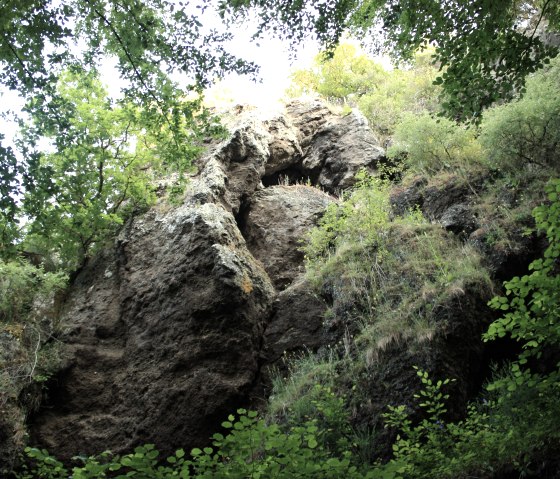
column 276, row 221
column 176, row 324
column 166, row 332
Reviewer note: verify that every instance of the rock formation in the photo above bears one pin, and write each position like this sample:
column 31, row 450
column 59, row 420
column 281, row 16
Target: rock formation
column 174, row 325
column 166, row 332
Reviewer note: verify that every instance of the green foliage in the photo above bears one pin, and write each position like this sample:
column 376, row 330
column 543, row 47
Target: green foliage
column 383, row 96
column 532, row 302
column 401, row 92
column 10, row 168
column 429, row 145
column 409, row 443
column 149, row 39
column 526, row 132
column 250, row 449
column 392, row 276
column 481, row 51
column 517, row 425
column 341, row 222
column 82, row 191
column 27, row 311
column 293, row 393
column 77, row 194
column 516, row 430
column 347, row 72
column 25, row 288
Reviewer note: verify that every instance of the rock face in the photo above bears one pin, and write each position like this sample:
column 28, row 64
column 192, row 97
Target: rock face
column 276, row 220
column 166, row 332
column 322, row 148
column 178, row 322
column 172, row 318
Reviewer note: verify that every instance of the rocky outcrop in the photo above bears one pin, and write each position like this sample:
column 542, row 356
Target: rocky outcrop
column 322, row 148
column 181, row 320
column 340, row 149
column 296, row 323
column 168, row 330
column 276, row 221
column 172, row 317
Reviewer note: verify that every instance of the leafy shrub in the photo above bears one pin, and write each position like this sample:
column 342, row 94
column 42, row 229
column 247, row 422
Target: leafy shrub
column 347, row 72
column 389, row 275
column 251, row 449
column 532, row 310
column 429, row 145
column 25, row 288
column 512, row 430
column 526, row 131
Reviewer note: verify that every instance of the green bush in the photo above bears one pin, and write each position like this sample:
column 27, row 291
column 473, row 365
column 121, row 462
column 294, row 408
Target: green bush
column 532, row 303
column 526, row 132
column 25, row 289
column 389, row 275
column 251, row 450
column 429, row 145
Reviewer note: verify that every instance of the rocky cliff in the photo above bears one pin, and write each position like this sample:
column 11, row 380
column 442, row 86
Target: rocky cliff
column 167, row 331
column 176, row 324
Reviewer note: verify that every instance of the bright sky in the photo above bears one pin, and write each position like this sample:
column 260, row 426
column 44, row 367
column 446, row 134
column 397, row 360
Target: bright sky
column 272, row 55
column 276, row 63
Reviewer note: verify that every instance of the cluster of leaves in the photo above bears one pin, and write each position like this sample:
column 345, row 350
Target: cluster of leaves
column 251, row 449
column 76, row 191
column 508, row 432
column 512, row 137
column 384, row 96
column 76, row 195
column 346, row 73
column 150, row 40
column 484, row 49
column 10, row 169
column 532, row 302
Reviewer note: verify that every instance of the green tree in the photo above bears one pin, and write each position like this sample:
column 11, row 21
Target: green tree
column 150, row 40
column 384, row 96
column 10, row 169
column 347, row 72
column 484, row 49
column 80, row 193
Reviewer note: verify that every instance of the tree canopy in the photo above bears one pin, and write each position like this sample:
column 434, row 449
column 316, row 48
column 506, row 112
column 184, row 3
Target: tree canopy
column 484, row 48
column 51, row 53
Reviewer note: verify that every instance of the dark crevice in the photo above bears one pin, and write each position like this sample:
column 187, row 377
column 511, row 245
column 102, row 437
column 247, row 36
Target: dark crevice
column 289, row 176
column 242, row 214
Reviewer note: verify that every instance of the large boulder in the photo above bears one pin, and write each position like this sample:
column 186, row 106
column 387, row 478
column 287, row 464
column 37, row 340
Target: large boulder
column 170, row 329
column 296, row 324
column 162, row 338
column 340, row 149
column 275, row 224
